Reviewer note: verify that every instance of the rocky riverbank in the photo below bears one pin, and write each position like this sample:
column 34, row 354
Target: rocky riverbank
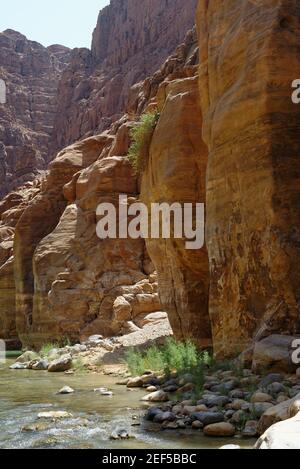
column 230, row 402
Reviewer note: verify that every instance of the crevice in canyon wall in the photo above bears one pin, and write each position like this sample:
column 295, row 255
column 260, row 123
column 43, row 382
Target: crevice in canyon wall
column 176, row 172
column 247, row 63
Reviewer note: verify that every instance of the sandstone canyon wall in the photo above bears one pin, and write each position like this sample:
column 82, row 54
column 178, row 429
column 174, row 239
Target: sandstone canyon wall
column 226, row 135
column 130, row 42
column 31, row 73
column 67, row 282
column 249, row 56
column 176, row 172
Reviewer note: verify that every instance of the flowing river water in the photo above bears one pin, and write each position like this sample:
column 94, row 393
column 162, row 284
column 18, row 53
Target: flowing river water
column 25, row 393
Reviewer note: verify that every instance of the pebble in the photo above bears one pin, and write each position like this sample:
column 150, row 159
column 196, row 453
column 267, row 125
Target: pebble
column 281, row 399
column 237, row 394
column 40, row 365
column 152, row 413
column 121, row 435
column 157, row 396
column 187, row 410
column 251, row 429
column 104, row 392
column 219, row 401
column 170, row 425
column 275, row 388
column 230, row 447
column 66, row 390
column 151, row 389
column 197, row 425
column 261, row 407
column 18, row 366
column 208, row 418
column 222, row 429
column 271, row 378
column 136, row 382
column 261, row 397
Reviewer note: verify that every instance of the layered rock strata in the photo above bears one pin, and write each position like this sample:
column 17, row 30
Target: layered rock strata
column 249, row 56
column 31, row 73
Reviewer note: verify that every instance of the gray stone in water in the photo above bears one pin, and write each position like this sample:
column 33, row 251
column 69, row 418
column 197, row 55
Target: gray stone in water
column 230, row 447
column 40, row 365
column 121, row 434
column 66, row 390
column 104, row 392
column 19, row 366
column 208, row 418
column 152, row 413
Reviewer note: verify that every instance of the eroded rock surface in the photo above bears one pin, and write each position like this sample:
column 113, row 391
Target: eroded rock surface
column 130, row 42
column 249, row 57
column 31, row 73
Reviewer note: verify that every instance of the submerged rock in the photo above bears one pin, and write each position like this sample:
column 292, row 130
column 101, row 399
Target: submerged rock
column 121, row 434
column 19, row 366
column 59, row 414
column 104, row 392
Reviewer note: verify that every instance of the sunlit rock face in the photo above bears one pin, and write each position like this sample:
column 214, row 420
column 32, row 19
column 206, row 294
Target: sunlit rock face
column 131, row 40
column 249, row 56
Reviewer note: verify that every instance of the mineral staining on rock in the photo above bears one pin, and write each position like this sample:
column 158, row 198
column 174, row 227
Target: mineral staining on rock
column 249, row 57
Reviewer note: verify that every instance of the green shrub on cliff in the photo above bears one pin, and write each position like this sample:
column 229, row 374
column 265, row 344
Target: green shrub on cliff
column 141, row 136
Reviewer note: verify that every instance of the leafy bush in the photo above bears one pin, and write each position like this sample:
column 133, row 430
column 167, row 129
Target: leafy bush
column 141, row 135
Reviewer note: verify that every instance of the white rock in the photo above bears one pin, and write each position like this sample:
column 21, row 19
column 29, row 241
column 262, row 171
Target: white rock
column 157, row 396
column 66, row 390
column 282, row 435
column 55, row 415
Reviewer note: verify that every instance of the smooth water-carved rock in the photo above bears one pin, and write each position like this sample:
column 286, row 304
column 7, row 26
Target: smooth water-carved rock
column 249, row 57
column 131, row 40
column 176, row 172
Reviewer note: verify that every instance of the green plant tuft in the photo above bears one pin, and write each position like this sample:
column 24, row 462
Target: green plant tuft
column 47, row 348
column 141, row 135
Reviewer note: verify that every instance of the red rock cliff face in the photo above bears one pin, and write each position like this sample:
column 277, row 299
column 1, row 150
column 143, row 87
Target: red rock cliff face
column 249, row 56
column 131, row 41
column 31, row 73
